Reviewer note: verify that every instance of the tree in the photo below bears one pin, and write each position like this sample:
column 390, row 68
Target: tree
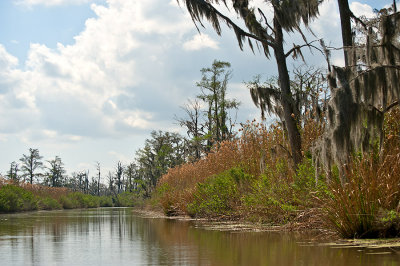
column 31, row 163
column 110, row 180
column 98, row 177
column 213, row 86
column 309, row 91
column 287, row 16
column 363, row 92
column 162, row 151
column 55, row 172
column 347, row 34
column 215, row 123
column 194, row 129
column 119, row 175
column 12, row 174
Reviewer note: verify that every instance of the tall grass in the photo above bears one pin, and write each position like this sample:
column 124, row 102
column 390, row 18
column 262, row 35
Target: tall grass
column 367, row 204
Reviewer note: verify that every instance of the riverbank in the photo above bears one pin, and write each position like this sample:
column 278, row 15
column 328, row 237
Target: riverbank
column 253, row 179
column 243, row 225
column 23, row 197
column 315, row 235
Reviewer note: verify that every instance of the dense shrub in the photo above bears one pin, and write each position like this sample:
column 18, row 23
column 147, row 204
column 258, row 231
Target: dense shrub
column 14, row 198
column 81, row 200
column 49, row 203
column 218, row 195
column 105, row 201
column 69, row 202
column 128, row 199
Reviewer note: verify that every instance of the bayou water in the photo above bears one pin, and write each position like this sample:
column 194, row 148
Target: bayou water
column 120, row 236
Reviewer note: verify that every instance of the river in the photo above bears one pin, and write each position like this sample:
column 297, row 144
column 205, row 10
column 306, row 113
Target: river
column 120, row 236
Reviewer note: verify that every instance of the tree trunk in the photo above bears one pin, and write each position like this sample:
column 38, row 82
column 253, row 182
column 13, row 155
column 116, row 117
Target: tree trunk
column 345, row 20
column 287, row 99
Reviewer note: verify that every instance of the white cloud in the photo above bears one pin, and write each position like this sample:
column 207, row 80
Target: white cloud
column 7, row 61
column 30, row 3
column 360, row 9
column 200, row 41
column 94, row 86
column 328, row 23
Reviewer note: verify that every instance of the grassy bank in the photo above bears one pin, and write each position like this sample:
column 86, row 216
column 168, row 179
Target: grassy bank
column 26, row 197
column 252, row 179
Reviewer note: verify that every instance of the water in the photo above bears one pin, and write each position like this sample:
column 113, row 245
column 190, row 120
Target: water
column 118, row 236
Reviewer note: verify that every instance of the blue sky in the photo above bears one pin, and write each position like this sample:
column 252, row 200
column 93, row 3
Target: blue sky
column 88, row 80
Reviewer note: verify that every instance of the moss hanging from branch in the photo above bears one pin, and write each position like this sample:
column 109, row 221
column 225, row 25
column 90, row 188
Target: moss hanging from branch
column 361, row 94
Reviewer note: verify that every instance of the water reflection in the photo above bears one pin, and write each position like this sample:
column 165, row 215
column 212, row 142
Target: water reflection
column 117, row 236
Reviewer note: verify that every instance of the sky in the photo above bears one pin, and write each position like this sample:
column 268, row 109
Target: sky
column 88, row 80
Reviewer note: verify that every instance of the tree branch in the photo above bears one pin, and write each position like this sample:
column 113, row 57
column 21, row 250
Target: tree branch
column 197, row 12
column 296, row 47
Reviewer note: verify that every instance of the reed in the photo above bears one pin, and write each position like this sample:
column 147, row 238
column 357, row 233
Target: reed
column 367, row 205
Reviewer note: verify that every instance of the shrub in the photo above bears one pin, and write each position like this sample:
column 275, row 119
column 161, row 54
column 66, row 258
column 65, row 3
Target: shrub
column 218, row 195
column 69, row 202
column 48, row 203
column 85, row 200
column 128, row 199
column 271, row 199
column 105, row 201
column 14, row 198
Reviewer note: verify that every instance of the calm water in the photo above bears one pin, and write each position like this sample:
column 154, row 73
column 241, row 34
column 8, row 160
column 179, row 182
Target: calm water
column 118, row 236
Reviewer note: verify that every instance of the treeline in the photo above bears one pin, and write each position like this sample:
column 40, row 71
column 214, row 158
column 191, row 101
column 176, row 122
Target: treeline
column 209, row 119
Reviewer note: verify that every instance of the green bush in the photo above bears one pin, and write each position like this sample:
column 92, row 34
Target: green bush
column 14, row 198
column 105, row 201
column 68, row 202
column 128, row 199
column 48, row 203
column 270, row 200
column 218, row 195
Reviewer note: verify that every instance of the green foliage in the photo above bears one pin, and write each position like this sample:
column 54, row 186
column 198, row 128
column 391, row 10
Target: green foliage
column 305, row 176
column 79, row 200
column 163, row 195
column 48, row 203
column 270, row 200
column 105, row 201
column 218, row 195
column 68, row 202
column 126, row 199
column 14, row 198
column 307, row 186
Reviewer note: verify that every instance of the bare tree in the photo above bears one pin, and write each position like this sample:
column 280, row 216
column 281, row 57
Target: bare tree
column 98, row 177
column 12, row 174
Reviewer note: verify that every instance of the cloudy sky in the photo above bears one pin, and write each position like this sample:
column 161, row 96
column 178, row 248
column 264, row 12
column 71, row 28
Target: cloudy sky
column 88, row 80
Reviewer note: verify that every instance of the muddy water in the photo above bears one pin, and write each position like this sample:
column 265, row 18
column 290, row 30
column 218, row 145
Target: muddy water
column 119, row 236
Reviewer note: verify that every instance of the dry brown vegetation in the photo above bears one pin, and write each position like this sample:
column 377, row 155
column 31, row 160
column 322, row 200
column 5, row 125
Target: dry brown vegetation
column 270, row 191
column 261, row 153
